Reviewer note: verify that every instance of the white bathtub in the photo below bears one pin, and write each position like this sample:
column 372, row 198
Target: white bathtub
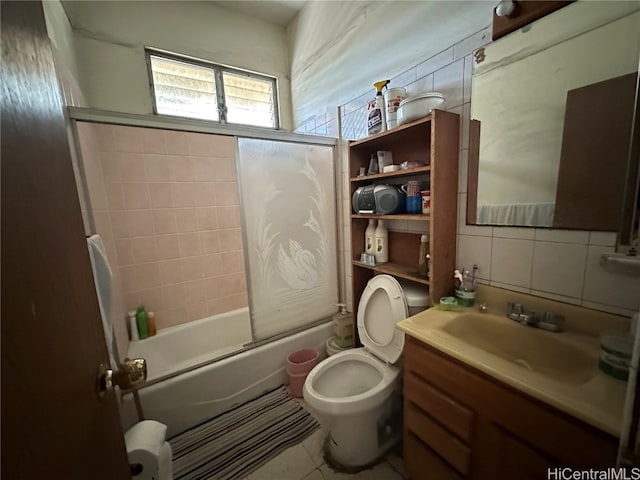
column 175, row 349
column 190, row 398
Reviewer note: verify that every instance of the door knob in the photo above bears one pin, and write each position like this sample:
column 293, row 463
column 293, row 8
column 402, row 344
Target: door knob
column 130, row 374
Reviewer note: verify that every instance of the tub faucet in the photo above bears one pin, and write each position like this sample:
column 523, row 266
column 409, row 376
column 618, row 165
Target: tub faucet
column 549, row 321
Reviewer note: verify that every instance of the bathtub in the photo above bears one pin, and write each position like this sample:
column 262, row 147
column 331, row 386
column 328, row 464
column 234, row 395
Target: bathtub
column 178, row 348
column 187, row 399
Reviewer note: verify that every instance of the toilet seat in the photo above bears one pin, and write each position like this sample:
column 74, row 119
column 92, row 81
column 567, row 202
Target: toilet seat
column 345, row 402
column 382, row 305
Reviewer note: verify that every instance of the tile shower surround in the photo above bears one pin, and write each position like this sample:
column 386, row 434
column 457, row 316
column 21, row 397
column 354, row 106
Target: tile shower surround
column 558, row 264
column 173, row 209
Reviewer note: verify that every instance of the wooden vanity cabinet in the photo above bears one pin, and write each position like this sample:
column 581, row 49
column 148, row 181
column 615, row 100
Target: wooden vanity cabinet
column 435, row 142
column 460, row 423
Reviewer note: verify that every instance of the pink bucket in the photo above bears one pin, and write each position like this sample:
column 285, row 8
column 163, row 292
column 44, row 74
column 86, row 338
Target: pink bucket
column 299, row 364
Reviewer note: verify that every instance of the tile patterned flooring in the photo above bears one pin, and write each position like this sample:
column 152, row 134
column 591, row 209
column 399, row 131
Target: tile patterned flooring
column 305, row 461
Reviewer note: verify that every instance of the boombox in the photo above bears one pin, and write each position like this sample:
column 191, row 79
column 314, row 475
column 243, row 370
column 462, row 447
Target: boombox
column 380, row 199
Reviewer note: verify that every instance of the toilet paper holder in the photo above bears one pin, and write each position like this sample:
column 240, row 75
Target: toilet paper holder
column 130, row 374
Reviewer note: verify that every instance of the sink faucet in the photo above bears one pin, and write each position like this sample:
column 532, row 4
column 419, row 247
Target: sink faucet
column 549, row 321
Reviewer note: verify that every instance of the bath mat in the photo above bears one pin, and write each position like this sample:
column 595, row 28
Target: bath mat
column 235, row 443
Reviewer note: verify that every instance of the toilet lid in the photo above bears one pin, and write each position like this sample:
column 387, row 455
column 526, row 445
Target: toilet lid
column 381, row 306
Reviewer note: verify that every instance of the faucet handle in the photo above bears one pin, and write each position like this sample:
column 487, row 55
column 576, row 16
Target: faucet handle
column 516, row 308
column 551, row 321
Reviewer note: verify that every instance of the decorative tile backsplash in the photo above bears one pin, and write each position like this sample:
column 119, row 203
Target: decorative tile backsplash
column 558, row 264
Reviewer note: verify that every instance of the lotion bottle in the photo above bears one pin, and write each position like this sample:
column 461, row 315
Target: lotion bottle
column 369, row 238
column 382, row 243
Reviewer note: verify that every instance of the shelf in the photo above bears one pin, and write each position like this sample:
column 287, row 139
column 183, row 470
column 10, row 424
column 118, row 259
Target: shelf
column 404, row 216
column 397, row 173
column 393, row 131
column 396, row 270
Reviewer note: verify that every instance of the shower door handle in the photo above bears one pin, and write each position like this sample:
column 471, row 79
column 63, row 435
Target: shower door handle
column 130, row 374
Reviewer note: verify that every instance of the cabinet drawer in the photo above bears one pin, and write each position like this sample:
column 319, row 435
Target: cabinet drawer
column 442, row 442
column 419, row 459
column 457, row 418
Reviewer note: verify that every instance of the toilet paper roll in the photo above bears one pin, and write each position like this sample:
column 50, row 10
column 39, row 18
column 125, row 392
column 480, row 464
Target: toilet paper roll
column 145, row 443
column 153, row 468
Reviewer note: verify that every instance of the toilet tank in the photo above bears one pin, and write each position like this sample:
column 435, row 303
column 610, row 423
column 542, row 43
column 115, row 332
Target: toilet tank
column 415, row 295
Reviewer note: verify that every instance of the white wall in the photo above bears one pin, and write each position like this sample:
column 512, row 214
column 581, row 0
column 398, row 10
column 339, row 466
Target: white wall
column 110, row 38
column 62, row 40
column 341, row 48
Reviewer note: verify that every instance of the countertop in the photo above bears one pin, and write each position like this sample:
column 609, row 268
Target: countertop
column 598, row 401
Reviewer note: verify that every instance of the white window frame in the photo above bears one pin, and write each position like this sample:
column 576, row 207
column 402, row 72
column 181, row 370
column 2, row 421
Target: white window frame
column 218, row 70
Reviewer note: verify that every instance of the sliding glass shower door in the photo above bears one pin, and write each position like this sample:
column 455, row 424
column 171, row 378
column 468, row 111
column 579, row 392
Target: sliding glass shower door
column 288, row 207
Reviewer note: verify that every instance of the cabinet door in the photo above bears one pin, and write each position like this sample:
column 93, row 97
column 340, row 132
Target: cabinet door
column 521, row 461
column 422, row 463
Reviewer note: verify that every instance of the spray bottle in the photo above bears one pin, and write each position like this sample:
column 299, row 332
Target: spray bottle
column 376, row 120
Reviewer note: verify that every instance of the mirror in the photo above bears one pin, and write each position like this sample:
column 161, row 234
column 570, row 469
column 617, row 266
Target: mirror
column 553, row 108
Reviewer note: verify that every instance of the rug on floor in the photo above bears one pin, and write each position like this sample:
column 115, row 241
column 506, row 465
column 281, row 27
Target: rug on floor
column 235, row 443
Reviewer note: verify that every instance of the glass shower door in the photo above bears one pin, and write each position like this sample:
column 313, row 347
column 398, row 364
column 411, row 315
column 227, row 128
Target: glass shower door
column 289, row 213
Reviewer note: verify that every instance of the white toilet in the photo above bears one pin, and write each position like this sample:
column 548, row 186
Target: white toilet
column 357, row 392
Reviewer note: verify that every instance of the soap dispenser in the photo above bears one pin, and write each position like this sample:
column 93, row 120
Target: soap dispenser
column 381, row 243
column 343, row 327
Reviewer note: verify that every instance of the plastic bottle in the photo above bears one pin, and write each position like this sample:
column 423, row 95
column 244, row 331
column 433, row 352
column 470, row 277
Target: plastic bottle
column 369, row 239
column 343, row 327
column 423, row 267
column 133, row 326
column 376, row 120
column 381, row 237
column 373, row 165
column 151, row 323
column 141, row 320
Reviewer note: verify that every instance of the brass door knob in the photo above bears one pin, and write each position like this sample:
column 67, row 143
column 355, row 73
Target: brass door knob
column 130, row 374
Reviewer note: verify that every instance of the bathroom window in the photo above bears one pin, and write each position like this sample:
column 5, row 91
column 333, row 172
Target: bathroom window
column 186, row 87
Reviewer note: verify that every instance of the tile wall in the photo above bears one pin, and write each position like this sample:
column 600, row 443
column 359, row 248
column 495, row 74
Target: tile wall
column 91, row 192
column 558, row 264
column 171, row 202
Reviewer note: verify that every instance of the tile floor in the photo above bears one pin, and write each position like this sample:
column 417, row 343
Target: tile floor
column 305, row 461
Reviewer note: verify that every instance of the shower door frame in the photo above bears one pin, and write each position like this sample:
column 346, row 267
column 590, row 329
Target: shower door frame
column 168, row 122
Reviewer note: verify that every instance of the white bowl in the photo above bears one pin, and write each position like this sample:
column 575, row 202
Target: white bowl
column 412, row 108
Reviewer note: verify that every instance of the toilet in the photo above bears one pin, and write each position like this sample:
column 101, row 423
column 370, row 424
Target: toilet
column 356, row 392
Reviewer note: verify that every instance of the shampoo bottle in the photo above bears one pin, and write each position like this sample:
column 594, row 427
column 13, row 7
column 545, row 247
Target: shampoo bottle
column 369, row 238
column 381, row 238
column 141, row 320
column 133, row 326
column 151, row 324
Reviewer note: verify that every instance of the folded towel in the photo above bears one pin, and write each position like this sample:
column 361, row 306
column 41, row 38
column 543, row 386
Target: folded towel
column 102, row 277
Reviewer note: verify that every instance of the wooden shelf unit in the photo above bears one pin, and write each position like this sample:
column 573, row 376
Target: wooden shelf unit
column 434, row 141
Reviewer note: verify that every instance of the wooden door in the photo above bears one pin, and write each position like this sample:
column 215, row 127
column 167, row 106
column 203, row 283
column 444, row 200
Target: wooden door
column 53, row 425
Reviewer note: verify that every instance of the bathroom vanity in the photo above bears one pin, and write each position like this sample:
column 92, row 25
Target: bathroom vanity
column 486, row 397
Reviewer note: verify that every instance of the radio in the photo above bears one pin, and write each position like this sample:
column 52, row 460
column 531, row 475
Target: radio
column 380, row 199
